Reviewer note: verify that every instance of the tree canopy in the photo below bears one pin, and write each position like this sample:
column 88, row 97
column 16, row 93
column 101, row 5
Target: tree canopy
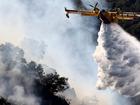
column 26, row 79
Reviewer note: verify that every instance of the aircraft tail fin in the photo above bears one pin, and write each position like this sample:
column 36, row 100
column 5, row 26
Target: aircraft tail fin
column 67, row 14
column 65, row 9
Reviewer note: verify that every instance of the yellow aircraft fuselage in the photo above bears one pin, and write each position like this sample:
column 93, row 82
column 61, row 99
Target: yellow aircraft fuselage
column 105, row 16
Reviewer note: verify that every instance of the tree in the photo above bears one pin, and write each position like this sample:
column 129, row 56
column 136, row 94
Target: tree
column 3, row 101
column 31, row 77
column 48, row 85
column 54, row 83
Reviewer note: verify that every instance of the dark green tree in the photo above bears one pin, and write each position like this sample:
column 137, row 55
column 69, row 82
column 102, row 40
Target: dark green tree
column 31, row 77
column 54, row 83
column 48, row 85
column 4, row 101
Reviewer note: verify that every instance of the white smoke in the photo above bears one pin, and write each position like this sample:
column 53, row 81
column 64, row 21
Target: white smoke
column 118, row 58
column 15, row 84
column 29, row 44
column 69, row 42
column 68, row 50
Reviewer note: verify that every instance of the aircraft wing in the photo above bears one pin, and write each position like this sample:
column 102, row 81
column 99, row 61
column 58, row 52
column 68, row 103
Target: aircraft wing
column 125, row 15
column 81, row 12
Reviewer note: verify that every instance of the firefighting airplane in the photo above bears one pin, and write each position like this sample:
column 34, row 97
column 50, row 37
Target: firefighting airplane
column 105, row 15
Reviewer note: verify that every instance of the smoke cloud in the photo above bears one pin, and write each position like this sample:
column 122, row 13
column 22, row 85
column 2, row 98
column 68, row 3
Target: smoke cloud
column 117, row 55
column 41, row 26
column 15, row 84
column 69, row 42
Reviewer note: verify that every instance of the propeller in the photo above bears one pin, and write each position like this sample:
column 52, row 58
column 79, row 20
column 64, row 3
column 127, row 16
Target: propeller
column 118, row 10
column 93, row 6
column 96, row 5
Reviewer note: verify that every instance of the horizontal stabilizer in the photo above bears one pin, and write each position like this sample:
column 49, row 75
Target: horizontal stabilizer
column 67, row 15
